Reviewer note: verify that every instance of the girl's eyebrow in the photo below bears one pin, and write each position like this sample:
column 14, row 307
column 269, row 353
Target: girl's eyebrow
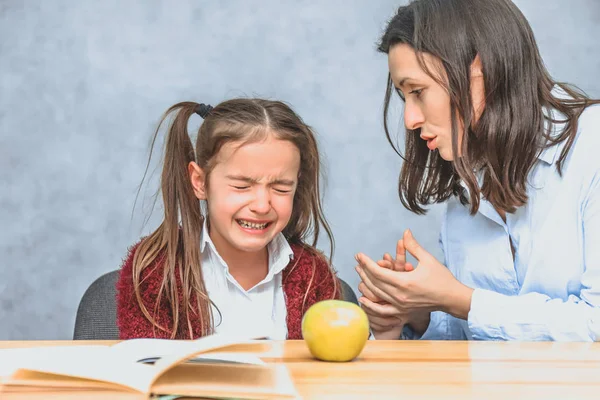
column 241, row 178
column 285, row 182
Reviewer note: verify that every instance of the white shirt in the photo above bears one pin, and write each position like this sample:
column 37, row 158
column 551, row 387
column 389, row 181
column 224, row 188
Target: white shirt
column 551, row 289
column 261, row 308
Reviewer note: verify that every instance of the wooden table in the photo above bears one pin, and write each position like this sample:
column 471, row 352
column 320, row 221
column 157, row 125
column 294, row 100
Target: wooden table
column 437, row 370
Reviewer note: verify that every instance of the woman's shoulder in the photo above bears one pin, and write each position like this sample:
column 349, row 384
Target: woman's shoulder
column 589, row 120
column 587, row 142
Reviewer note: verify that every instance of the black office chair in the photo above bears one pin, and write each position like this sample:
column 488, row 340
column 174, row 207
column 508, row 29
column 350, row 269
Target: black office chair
column 348, row 293
column 97, row 313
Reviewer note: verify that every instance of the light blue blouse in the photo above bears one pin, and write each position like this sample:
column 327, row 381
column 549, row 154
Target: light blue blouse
column 551, row 290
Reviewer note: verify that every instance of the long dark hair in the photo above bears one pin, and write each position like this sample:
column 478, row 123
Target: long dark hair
column 513, row 129
column 176, row 241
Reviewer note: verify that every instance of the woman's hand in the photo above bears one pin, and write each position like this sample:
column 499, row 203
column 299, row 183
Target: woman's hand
column 385, row 320
column 429, row 287
column 396, row 264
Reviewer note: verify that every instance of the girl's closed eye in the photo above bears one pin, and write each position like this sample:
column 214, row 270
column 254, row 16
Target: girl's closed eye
column 240, row 187
column 282, row 191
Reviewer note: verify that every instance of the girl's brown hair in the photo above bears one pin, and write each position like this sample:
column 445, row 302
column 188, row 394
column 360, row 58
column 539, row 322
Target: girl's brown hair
column 177, row 239
column 512, row 131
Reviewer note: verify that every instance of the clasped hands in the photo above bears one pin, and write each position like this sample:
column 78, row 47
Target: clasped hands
column 395, row 293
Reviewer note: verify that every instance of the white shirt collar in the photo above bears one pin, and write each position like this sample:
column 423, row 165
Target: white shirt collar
column 280, row 252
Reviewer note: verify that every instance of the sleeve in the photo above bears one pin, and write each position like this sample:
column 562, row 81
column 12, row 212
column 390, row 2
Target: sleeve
column 442, row 326
column 131, row 321
column 536, row 316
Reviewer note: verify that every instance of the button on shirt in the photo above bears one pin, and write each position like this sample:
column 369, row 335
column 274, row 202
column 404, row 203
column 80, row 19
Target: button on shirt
column 261, row 309
column 551, row 289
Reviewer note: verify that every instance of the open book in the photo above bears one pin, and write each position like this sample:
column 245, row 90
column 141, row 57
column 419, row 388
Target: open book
column 208, row 367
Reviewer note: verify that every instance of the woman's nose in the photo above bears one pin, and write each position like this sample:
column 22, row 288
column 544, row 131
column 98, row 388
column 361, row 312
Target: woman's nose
column 413, row 116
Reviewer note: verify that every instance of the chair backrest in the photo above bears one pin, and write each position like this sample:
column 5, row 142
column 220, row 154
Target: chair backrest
column 348, row 293
column 97, row 313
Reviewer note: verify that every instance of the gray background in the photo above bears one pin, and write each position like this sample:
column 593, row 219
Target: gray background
column 83, row 84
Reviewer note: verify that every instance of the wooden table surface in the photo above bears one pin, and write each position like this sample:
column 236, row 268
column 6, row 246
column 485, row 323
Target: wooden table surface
column 434, row 370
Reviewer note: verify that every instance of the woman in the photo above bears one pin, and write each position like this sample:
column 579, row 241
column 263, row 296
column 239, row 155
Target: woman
column 513, row 155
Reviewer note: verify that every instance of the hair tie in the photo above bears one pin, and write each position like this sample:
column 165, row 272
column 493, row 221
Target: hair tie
column 203, row 110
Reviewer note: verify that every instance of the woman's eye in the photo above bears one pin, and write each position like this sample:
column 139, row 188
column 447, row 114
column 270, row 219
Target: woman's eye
column 416, row 91
column 400, row 94
column 241, row 187
column 282, row 190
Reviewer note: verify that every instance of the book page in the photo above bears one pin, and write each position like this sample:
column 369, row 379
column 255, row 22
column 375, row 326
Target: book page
column 190, row 349
column 227, row 381
column 150, row 350
column 115, row 364
column 88, row 362
column 242, row 381
column 12, row 359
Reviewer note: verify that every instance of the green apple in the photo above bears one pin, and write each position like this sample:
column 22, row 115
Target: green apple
column 335, row 330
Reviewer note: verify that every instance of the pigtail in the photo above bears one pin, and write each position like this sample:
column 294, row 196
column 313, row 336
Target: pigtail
column 176, row 241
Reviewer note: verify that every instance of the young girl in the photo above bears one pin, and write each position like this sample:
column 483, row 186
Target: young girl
column 231, row 252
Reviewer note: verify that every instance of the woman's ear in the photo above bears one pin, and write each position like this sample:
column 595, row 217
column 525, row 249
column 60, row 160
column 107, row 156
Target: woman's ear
column 198, row 180
column 477, row 87
column 476, row 68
